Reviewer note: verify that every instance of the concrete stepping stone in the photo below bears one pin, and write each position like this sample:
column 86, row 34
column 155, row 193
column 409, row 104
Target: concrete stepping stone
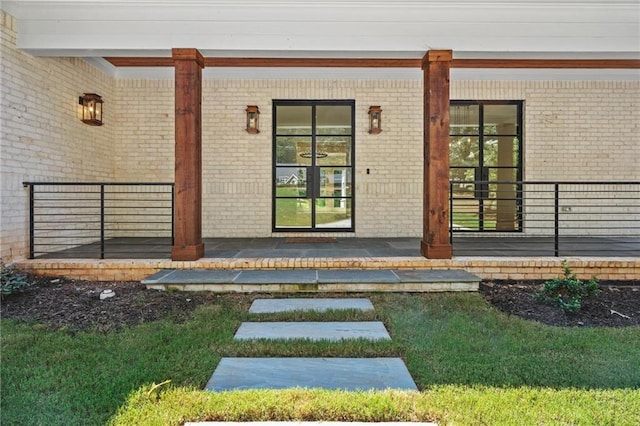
column 303, row 423
column 332, row 331
column 264, row 306
column 326, row 373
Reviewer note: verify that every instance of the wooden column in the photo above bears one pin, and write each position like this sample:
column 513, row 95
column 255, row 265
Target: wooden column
column 435, row 242
column 188, row 243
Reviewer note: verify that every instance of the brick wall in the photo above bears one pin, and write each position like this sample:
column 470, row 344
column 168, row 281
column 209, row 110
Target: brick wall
column 568, row 135
column 237, row 165
column 43, row 138
column 574, row 130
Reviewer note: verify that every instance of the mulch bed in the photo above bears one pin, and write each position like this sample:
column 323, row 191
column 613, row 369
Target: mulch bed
column 617, row 305
column 60, row 303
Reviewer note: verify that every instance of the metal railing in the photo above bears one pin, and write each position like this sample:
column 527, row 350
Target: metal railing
column 103, row 219
column 545, row 218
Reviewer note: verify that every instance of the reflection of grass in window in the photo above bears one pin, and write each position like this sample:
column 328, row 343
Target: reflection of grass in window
column 293, row 212
column 472, row 221
column 297, row 211
column 326, row 218
column 290, row 191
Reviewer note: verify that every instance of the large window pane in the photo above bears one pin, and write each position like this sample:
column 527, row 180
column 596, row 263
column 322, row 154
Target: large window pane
column 464, row 119
column 333, row 213
column 291, row 182
column 462, row 174
column 335, row 182
column 465, row 208
column 501, row 151
column 464, row 151
column 293, row 120
column 333, row 151
column 293, row 150
column 293, row 212
column 500, row 119
column 333, row 119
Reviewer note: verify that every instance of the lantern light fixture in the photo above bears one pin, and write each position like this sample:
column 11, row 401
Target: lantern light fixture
column 253, row 113
column 91, row 109
column 375, row 119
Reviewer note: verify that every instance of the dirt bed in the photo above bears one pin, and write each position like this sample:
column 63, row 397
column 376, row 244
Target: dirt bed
column 76, row 305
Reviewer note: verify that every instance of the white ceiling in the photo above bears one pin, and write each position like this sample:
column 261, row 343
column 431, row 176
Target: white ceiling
column 563, row 29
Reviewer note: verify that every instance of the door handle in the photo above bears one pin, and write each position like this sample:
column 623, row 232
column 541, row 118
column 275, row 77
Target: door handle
column 316, row 182
column 481, row 187
column 310, row 179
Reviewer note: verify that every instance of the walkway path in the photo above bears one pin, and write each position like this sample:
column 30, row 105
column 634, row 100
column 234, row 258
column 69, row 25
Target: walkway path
column 326, row 373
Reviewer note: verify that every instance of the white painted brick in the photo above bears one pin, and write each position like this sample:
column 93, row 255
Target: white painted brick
column 42, row 135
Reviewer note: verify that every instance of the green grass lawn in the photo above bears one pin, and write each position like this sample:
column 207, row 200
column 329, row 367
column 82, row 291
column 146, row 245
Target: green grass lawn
column 472, row 364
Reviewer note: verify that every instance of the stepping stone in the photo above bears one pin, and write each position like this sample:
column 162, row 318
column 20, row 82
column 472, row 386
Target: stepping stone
column 263, row 306
column 325, row 373
column 332, row 331
column 304, row 423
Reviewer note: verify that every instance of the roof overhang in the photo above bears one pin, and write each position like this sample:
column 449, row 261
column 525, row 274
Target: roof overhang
column 356, row 29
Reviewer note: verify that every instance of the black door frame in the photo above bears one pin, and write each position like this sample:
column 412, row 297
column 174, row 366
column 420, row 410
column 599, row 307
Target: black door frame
column 481, row 190
column 312, row 187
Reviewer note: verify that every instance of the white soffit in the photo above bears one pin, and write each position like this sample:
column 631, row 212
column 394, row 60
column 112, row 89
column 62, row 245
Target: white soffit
column 152, row 28
column 258, row 73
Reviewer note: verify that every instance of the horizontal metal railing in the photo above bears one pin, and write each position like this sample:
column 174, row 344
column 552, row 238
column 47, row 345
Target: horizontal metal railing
column 546, row 218
column 506, row 218
column 99, row 219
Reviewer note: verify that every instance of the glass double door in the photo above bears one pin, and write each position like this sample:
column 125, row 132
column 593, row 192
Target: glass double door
column 486, row 165
column 313, row 149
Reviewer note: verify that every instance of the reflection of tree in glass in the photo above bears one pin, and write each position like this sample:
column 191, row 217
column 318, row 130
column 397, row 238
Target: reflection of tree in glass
column 285, row 153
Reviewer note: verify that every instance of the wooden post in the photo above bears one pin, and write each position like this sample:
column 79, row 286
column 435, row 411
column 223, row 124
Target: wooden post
column 188, row 243
column 435, row 242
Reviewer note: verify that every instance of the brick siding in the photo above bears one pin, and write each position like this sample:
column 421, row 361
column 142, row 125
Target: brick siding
column 43, row 138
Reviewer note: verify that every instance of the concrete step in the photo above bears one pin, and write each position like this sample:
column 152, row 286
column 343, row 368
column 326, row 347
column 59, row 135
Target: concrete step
column 301, row 423
column 325, row 373
column 314, row 280
column 333, row 331
column 266, row 306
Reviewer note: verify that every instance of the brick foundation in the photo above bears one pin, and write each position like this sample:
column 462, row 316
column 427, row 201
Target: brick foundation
column 614, row 269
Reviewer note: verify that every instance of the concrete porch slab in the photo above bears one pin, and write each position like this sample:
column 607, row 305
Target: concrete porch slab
column 434, row 276
column 192, row 276
column 265, row 306
column 298, row 276
column 357, row 276
column 334, row 331
column 313, row 280
column 326, row 373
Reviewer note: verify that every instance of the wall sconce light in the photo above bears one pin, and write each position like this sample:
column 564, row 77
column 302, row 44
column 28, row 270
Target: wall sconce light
column 375, row 119
column 253, row 112
column 91, row 109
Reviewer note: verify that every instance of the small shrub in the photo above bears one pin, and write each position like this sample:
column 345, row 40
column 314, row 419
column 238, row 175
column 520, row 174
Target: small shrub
column 13, row 281
column 568, row 291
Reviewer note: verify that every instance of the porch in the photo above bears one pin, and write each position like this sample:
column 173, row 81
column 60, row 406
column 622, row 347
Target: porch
column 490, row 258
column 348, row 248
column 120, row 231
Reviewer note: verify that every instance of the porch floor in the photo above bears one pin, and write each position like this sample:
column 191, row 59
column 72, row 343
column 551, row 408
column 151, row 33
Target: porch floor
column 490, row 246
